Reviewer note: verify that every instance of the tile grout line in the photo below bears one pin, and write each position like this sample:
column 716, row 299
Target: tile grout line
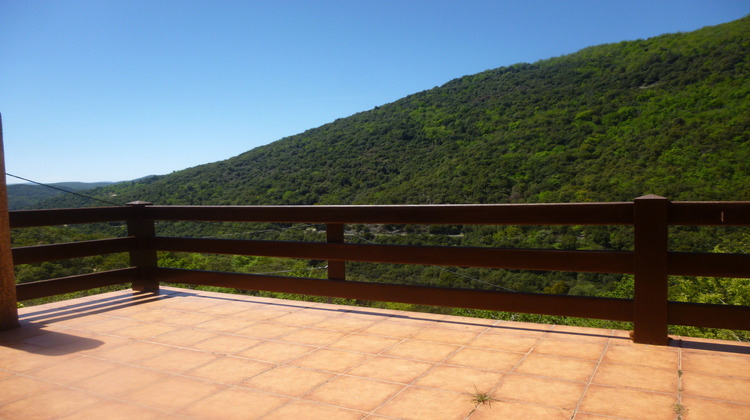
column 679, row 407
column 337, row 375
column 72, row 387
column 502, row 380
column 435, row 365
column 591, row 378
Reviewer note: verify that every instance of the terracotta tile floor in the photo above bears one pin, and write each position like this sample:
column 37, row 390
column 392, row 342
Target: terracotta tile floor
column 197, row 355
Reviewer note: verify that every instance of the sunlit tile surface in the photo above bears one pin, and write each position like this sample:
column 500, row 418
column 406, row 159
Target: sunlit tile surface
column 184, row 354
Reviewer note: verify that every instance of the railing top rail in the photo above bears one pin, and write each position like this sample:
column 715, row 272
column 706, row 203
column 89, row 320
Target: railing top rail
column 717, row 213
column 52, row 217
column 721, row 213
column 449, row 214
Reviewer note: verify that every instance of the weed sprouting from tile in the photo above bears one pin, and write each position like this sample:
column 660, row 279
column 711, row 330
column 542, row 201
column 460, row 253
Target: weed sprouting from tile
column 481, row 398
column 680, row 410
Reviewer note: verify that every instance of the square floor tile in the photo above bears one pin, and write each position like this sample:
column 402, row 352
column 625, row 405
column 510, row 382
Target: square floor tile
column 353, row 392
column 230, row 370
column 416, row 403
column 300, row 318
column 287, row 380
column 641, row 377
column 312, row 411
column 275, row 351
column 26, row 362
column 226, row 344
column 486, row 359
column 571, row 348
column 188, row 319
column 571, row 332
column 119, row 381
column 421, row 350
column 184, row 337
column 179, row 360
column 716, row 364
column 344, row 323
column 543, row 391
column 392, row 369
column 393, row 329
column 48, row 404
column 628, row 403
column 267, row 330
column 115, row 410
column 445, row 336
column 725, row 388
column 143, row 330
column 224, row 324
column 74, row 370
column 514, row 410
column 313, row 337
column 109, row 325
column 364, row 343
column 507, row 342
column 642, row 354
column 172, row 393
column 331, row 360
column 132, row 352
column 15, row 387
column 699, row 408
column 557, row 367
column 460, row 379
column 235, row 403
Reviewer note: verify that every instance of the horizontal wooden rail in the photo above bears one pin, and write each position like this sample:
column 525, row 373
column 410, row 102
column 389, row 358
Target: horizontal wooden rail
column 731, row 317
column 709, row 213
column 650, row 262
column 584, row 261
column 46, row 288
column 448, row 214
column 32, row 218
column 585, row 307
column 709, row 265
column 41, row 253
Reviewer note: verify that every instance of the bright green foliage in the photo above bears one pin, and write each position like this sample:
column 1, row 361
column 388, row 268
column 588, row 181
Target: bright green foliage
column 669, row 115
column 57, row 234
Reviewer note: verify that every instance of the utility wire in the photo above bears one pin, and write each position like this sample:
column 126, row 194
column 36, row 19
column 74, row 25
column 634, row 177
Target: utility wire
column 246, row 232
column 64, row 190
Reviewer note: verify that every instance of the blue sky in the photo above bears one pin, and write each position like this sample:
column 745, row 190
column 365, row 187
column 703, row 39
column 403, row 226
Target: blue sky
column 115, row 90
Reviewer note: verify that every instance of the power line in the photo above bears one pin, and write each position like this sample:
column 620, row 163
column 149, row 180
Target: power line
column 64, row 190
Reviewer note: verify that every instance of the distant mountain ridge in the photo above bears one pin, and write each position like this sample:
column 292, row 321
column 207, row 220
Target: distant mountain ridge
column 669, row 115
column 28, row 196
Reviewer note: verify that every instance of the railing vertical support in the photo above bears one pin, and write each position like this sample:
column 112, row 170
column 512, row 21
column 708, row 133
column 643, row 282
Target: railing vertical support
column 650, row 219
column 144, row 255
column 335, row 234
column 8, row 303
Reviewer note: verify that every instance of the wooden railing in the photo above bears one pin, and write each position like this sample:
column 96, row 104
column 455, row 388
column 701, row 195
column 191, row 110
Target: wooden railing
column 650, row 262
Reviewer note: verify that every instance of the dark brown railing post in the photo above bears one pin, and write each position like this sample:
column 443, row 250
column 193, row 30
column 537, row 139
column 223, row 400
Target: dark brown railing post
column 8, row 303
column 650, row 220
column 335, row 234
column 143, row 256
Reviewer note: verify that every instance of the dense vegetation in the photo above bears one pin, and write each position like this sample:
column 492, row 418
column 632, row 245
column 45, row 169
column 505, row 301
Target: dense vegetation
column 669, row 115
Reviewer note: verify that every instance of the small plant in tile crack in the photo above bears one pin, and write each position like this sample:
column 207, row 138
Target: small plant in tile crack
column 680, row 410
column 481, row 398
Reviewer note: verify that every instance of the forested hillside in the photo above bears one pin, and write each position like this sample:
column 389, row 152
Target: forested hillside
column 668, row 115
column 26, row 196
